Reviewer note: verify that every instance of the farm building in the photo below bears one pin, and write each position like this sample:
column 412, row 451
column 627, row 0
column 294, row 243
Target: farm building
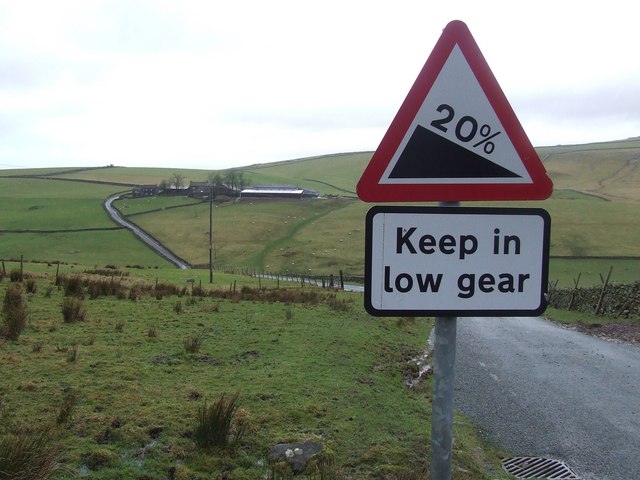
column 202, row 189
column 144, row 190
column 277, row 191
column 199, row 189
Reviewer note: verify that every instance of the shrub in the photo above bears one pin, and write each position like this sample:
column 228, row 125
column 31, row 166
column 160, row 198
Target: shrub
column 14, row 311
column 73, row 310
column 219, row 425
column 24, row 456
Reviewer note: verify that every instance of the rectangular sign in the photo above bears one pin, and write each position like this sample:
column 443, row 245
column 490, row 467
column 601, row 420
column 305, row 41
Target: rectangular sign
column 456, row 261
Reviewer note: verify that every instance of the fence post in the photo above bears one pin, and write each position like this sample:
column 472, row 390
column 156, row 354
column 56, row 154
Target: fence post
column 576, row 281
column 604, row 288
column 552, row 290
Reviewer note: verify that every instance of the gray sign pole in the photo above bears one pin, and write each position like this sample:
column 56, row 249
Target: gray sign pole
column 442, row 403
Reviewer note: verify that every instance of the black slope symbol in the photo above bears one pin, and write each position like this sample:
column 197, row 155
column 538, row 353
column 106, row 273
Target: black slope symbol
column 428, row 155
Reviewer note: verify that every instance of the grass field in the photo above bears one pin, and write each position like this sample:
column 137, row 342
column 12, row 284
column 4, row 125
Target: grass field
column 593, row 210
column 315, row 367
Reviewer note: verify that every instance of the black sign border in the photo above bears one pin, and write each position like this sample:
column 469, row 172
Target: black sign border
column 456, row 211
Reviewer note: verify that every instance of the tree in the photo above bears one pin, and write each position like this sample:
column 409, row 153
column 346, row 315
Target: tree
column 241, row 181
column 214, row 179
column 176, row 180
column 231, row 179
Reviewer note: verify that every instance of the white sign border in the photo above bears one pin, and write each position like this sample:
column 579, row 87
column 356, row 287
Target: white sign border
column 455, row 312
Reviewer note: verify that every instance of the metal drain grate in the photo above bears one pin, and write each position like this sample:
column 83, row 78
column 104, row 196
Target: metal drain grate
column 537, row 467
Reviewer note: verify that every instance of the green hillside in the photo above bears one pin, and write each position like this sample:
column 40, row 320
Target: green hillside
column 593, row 209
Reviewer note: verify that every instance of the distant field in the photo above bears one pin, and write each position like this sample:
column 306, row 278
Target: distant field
column 99, row 248
column 331, row 174
column 245, row 233
column 52, row 205
column 138, row 176
column 594, row 212
column 610, row 170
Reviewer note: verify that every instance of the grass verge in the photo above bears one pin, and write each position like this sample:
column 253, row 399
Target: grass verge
column 307, row 364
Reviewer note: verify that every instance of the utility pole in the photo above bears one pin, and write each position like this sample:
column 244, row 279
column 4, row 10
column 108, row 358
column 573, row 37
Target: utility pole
column 210, row 233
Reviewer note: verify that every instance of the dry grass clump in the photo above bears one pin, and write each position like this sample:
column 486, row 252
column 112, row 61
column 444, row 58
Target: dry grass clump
column 28, row 456
column 220, row 424
column 14, row 312
column 73, row 310
column 192, row 344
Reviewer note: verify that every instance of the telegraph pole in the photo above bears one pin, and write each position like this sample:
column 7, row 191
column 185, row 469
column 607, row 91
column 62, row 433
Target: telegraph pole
column 210, row 233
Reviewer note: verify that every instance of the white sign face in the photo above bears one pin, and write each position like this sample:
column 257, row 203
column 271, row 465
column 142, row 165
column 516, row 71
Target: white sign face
column 450, row 261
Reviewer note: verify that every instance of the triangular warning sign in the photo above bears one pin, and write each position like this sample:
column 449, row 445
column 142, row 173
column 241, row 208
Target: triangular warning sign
column 455, row 137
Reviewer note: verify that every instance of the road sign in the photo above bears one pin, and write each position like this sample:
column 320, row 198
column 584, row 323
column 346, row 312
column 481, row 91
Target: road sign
column 466, row 261
column 455, row 137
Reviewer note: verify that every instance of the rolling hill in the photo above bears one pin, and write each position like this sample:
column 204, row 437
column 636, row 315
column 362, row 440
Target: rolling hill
column 56, row 214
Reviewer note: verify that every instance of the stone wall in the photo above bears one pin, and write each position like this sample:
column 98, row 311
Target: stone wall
column 620, row 300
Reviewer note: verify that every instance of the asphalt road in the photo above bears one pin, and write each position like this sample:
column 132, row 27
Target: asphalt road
column 537, row 389
column 142, row 235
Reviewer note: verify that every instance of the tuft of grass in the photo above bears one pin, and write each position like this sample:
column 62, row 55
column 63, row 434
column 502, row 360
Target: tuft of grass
column 14, row 311
column 219, row 425
column 119, row 326
column 15, row 275
column 24, row 456
column 73, row 310
column 73, row 287
column 177, row 307
column 192, row 344
column 67, row 406
column 31, row 286
column 72, row 354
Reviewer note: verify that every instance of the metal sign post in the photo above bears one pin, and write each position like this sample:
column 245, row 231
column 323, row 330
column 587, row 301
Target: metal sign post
column 442, row 403
column 442, row 400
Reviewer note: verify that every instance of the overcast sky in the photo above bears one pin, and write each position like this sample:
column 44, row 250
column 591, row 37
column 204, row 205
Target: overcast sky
column 221, row 83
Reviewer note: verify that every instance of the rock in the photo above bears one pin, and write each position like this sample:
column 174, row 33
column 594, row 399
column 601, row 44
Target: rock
column 297, row 455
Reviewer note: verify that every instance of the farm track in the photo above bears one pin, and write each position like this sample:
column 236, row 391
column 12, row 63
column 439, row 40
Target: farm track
column 329, row 185
column 259, row 259
column 625, row 171
column 145, row 237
